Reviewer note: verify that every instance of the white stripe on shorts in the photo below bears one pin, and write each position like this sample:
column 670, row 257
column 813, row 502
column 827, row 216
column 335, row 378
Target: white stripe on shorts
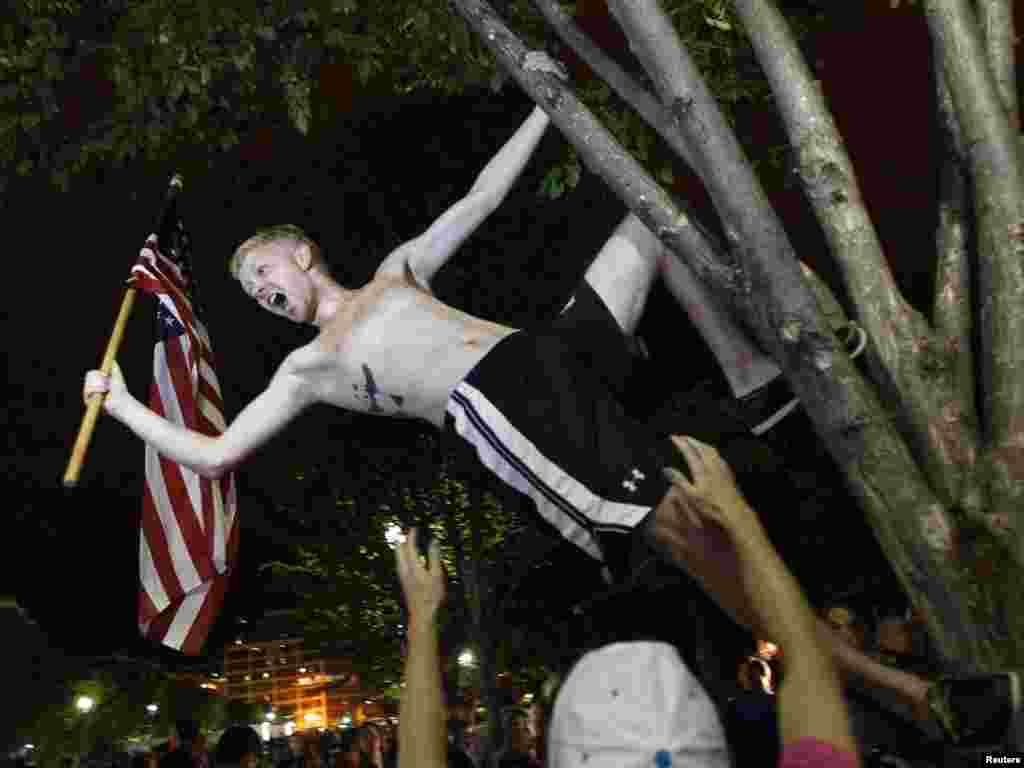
column 513, row 457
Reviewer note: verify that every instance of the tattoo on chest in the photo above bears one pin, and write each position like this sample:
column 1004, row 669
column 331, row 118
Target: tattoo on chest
column 371, row 392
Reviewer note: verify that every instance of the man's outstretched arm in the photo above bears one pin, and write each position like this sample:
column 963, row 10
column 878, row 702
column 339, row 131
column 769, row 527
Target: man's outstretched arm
column 283, row 399
column 430, row 251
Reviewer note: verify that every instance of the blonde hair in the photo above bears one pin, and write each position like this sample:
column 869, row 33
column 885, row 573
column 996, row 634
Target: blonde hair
column 272, row 235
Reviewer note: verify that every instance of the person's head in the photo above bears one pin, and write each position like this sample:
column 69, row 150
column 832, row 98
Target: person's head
column 516, row 724
column 239, row 745
column 632, row 704
column 387, row 736
column 348, row 749
column 282, row 269
column 187, row 732
column 367, row 738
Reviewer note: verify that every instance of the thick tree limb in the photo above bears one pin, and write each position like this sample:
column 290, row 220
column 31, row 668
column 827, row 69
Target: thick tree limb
column 625, row 87
column 916, row 532
column 703, row 246
column 998, row 183
column 997, row 30
column 601, row 153
column 912, row 527
column 906, row 356
column 952, row 312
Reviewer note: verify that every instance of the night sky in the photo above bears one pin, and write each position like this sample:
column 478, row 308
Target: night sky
column 377, row 179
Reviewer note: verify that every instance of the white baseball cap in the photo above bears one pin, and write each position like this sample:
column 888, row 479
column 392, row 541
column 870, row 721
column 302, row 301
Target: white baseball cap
column 633, row 705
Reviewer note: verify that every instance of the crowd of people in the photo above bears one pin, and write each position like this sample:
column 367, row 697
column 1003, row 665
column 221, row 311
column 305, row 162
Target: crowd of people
column 637, row 703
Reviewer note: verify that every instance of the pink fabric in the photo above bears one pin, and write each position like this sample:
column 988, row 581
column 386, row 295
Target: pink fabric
column 813, row 753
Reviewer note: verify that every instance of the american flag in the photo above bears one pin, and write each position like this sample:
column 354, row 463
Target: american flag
column 189, row 537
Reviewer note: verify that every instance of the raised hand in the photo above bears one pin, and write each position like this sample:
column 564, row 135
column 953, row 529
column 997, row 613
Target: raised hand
column 423, row 585
column 541, row 61
column 713, row 492
column 113, row 385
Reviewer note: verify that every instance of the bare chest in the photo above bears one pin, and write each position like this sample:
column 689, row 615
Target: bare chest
column 396, row 351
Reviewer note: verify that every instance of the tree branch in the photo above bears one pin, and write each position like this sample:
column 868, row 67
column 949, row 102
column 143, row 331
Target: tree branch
column 952, row 313
column 600, row 152
column 997, row 30
column 905, row 355
column 625, row 87
column 998, row 184
column 915, row 533
column 914, row 530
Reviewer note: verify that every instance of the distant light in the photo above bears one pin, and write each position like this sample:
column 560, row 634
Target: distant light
column 528, row 697
column 239, row 641
column 266, row 675
column 368, row 701
column 271, row 716
column 302, row 669
column 313, row 717
column 85, row 704
column 393, row 535
column 466, row 658
column 152, row 708
column 289, row 728
column 346, row 720
column 265, row 731
column 30, row 746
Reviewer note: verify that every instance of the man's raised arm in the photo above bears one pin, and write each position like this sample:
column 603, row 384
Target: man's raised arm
column 430, row 251
column 283, row 400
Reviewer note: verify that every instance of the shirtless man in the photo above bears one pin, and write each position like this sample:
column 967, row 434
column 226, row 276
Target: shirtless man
column 541, row 409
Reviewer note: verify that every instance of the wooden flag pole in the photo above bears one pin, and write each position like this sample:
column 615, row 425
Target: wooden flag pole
column 92, row 410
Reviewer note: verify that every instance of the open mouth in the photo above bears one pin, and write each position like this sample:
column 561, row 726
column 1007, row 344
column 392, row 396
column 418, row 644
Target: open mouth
column 278, row 300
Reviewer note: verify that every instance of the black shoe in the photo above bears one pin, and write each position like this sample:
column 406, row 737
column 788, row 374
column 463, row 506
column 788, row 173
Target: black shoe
column 978, row 710
column 765, row 407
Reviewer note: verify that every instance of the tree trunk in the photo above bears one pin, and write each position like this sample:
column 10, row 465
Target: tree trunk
column 998, row 186
column 909, row 481
column 766, row 287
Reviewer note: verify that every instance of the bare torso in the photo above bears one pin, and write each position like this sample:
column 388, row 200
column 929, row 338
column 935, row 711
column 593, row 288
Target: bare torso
column 395, row 350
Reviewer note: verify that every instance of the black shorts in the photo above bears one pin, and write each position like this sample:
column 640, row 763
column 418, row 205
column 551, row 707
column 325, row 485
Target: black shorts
column 543, row 412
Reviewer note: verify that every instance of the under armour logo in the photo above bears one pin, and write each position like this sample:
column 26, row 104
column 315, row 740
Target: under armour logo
column 630, row 485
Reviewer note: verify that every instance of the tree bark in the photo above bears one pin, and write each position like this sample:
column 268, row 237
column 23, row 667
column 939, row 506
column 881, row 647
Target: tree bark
column 997, row 31
column 953, row 305
column 998, row 186
column 912, row 527
column 906, row 356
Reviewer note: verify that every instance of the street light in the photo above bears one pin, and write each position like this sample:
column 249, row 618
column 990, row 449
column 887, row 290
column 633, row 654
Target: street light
column 152, row 709
column 466, row 659
column 85, row 704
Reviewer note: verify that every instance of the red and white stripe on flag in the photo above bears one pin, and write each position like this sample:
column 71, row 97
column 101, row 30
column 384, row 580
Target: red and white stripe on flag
column 189, row 538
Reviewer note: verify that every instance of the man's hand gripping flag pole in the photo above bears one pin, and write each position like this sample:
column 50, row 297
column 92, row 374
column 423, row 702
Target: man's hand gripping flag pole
column 92, row 411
